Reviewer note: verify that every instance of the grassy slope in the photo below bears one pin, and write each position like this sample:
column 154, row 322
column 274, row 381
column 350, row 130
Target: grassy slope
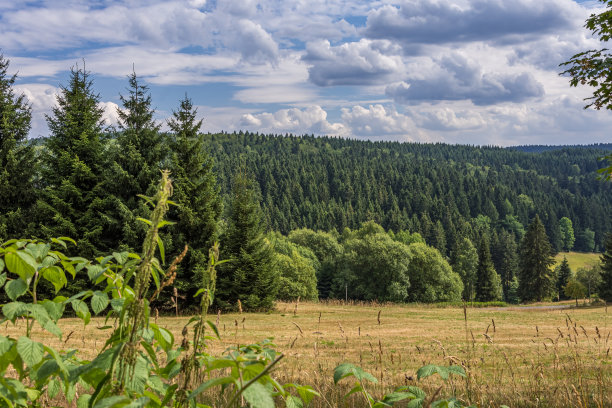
column 515, row 356
column 578, row 259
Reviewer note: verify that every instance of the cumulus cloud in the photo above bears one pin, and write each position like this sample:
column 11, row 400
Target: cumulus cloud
column 436, row 21
column 458, row 78
column 358, row 63
column 380, row 122
column 298, row 121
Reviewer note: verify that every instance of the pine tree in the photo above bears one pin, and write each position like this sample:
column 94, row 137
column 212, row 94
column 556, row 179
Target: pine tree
column 605, row 289
column 197, row 196
column 139, row 157
column 537, row 280
column 564, row 274
column 249, row 275
column 73, row 163
column 488, row 283
column 17, row 163
column 506, row 260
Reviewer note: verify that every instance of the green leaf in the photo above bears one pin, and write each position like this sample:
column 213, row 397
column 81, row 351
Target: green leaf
column 113, row 402
column 57, row 241
column 99, row 301
column 1, row 264
column 162, row 250
column 38, row 251
column 214, row 328
column 121, row 257
column 56, row 276
column 72, row 241
column 2, row 277
column 81, row 310
column 5, row 344
column 39, row 313
column 15, row 288
column 347, row 370
column 21, row 263
column 53, row 388
column 14, row 310
column 69, row 267
column 30, row 351
column 117, row 304
column 258, row 396
column 94, row 272
column 148, row 222
column 139, row 403
column 83, row 401
column 54, row 308
column 210, row 383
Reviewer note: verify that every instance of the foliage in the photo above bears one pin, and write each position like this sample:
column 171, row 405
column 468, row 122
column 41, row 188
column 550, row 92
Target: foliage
column 564, row 274
column 415, row 396
column 537, row 280
column 328, row 252
column 248, row 277
column 567, row 233
column 431, row 277
column 17, row 164
column 197, row 196
column 605, row 289
column 465, row 264
column 296, row 267
column 375, row 266
column 590, row 278
column 73, row 166
column 574, row 289
column 488, row 282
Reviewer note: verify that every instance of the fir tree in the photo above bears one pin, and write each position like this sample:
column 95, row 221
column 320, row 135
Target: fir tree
column 197, row 196
column 73, row 163
column 564, row 274
column 17, row 163
column 507, row 261
column 605, row 289
column 139, row 157
column 488, row 283
column 536, row 278
column 249, row 275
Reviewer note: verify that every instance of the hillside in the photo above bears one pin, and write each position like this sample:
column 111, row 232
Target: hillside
column 439, row 190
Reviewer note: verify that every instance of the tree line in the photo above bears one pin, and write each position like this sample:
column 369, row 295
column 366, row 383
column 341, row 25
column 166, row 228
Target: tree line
column 297, row 217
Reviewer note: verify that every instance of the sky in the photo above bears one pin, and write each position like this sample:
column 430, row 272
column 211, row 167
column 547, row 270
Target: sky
column 481, row 72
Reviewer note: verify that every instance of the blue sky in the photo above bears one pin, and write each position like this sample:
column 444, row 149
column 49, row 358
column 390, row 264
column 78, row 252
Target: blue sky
column 457, row 71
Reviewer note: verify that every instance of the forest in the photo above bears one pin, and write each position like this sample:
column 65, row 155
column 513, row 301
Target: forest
column 300, row 216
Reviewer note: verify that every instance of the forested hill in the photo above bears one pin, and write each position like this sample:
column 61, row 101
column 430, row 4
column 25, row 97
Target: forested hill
column 548, row 148
column 442, row 191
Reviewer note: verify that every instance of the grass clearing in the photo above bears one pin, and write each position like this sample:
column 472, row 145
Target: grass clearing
column 513, row 356
column 578, row 259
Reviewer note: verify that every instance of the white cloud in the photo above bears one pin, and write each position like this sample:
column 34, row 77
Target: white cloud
column 297, row 121
column 380, row 122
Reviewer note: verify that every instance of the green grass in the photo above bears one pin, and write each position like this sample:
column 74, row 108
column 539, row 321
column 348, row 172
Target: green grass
column 578, row 259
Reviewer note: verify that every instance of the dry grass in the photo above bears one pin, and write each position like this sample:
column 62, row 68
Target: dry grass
column 514, row 356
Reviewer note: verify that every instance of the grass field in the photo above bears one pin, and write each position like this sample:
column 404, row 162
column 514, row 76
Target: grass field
column 513, row 356
column 578, row 259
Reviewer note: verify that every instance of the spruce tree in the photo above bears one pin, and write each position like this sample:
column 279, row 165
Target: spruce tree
column 17, row 163
column 536, row 278
column 564, row 274
column 249, row 275
column 506, row 260
column 197, row 196
column 73, row 163
column 139, row 157
column 605, row 289
column 488, row 283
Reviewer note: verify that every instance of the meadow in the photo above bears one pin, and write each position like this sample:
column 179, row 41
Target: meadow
column 578, row 259
column 514, row 356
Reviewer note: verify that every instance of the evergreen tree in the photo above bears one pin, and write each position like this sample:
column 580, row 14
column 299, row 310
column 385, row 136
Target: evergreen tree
column 488, row 283
column 536, row 279
column 249, row 275
column 605, row 289
column 73, row 163
column 465, row 263
column 564, row 274
column 139, row 156
column 506, row 260
column 197, row 196
column 17, row 163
